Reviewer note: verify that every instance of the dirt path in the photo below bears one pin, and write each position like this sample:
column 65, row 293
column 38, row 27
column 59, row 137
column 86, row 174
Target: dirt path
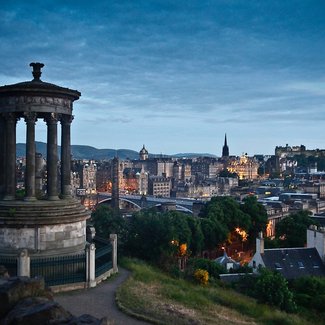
column 98, row 301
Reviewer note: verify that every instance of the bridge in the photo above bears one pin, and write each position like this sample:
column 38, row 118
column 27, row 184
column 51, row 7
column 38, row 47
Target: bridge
column 138, row 202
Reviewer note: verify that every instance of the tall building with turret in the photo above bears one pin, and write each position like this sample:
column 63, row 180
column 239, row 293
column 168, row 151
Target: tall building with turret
column 143, row 153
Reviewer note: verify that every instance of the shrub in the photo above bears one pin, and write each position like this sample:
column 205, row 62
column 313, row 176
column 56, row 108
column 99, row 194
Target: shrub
column 272, row 288
column 214, row 269
column 201, row 276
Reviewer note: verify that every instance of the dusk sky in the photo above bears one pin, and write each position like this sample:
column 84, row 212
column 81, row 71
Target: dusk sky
column 176, row 75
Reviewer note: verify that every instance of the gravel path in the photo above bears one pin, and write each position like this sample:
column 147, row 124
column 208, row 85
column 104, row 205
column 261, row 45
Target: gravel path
column 98, row 301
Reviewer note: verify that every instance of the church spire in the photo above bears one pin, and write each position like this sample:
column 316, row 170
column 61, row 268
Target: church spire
column 225, row 149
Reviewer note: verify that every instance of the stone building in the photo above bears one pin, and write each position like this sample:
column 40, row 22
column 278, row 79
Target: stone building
column 87, row 171
column 143, row 154
column 159, row 186
column 245, row 167
column 142, row 177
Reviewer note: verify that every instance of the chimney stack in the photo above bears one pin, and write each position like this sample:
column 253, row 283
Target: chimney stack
column 260, row 243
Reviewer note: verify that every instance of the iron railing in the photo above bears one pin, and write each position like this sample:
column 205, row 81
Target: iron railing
column 59, row 270
column 103, row 256
column 10, row 263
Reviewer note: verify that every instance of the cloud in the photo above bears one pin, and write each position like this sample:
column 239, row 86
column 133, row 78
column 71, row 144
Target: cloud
column 166, row 67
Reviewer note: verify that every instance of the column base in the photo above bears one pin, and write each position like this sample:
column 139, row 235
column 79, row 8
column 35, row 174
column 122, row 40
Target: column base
column 9, row 198
column 53, row 198
column 66, row 196
column 29, row 198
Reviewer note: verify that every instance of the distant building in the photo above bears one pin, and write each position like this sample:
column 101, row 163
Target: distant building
column 205, row 167
column 87, row 170
column 142, row 177
column 288, row 151
column 245, row 167
column 143, row 154
column 159, row 186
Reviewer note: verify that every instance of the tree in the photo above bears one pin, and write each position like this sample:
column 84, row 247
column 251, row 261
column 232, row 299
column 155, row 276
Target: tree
column 108, row 221
column 155, row 236
column 221, row 216
column 292, row 230
column 272, row 288
column 214, row 233
column 309, row 292
column 197, row 241
column 258, row 216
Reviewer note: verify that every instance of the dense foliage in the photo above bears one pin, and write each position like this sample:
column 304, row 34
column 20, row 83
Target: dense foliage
column 211, row 267
column 108, row 221
column 272, row 288
column 223, row 214
column 292, row 230
column 155, row 236
column 309, row 293
column 257, row 214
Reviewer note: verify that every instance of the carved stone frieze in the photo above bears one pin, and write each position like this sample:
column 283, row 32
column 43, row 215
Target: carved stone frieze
column 36, row 100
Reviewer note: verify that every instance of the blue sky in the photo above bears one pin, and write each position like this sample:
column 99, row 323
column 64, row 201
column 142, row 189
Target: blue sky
column 176, row 75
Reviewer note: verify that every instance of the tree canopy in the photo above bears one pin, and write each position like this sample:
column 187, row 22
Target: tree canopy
column 222, row 215
column 108, row 221
column 153, row 235
column 292, row 230
column 258, row 216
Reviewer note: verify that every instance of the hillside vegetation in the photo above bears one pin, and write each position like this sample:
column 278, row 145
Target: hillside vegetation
column 152, row 295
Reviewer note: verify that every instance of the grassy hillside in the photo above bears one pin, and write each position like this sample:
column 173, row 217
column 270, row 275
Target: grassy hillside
column 152, row 295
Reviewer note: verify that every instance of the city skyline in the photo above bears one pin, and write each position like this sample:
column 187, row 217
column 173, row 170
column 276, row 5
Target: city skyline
column 176, row 76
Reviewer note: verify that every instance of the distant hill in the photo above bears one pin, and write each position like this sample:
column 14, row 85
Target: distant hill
column 193, row 155
column 88, row 152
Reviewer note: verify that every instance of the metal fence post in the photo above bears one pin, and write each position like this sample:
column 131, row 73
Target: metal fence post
column 113, row 239
column 23, row 263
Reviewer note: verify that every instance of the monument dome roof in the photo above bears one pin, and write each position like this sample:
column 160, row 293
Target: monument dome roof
column 37, row 86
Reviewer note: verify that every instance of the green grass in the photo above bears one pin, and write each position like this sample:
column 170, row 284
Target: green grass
column 152, row 294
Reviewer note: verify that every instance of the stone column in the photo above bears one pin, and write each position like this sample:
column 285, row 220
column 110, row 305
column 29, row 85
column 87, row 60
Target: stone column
column 90, row 265
column 23, row 265
column 10, row 190
column 66, row 155
column 30, row 119
column 3, row 156
column 113, row 240
column 52, row 157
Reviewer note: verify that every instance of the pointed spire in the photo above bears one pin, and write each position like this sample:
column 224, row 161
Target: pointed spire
column 225, row 149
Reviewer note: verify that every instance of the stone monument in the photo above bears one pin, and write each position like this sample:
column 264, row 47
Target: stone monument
column 53, row 225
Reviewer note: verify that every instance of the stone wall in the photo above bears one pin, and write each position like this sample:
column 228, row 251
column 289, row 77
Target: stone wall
column 44, row 237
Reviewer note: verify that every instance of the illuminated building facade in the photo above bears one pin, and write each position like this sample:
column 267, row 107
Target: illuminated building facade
column 245, row 167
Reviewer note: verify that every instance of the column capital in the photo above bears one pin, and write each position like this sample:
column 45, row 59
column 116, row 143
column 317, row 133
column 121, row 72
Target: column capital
column 11, row 117
column 66, row 119
column 52, row 118
column 30, row 117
